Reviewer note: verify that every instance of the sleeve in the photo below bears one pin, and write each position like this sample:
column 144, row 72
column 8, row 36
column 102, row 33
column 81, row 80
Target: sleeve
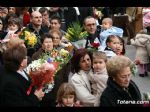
column 82, row 92
column 105, row 102
column 14, row 96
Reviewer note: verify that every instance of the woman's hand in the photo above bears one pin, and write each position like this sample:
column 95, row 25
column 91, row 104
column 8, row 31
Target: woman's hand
column 39, row 93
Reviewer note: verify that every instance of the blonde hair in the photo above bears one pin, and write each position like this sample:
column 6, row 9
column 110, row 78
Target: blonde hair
column 116, row 64
column 65, row 89
column 107, row 20
column 14, row 41
column 99, row 55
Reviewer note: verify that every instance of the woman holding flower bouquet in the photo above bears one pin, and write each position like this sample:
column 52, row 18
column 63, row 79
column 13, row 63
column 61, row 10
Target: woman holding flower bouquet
column 14, row 81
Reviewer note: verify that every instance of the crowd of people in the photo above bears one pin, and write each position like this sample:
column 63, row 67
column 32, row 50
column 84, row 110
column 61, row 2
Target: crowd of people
column 92, row 78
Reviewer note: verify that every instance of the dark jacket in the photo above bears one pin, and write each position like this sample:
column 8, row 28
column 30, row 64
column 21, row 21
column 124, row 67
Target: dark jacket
column 113, row 93
column 91, row 37
column 13, row 90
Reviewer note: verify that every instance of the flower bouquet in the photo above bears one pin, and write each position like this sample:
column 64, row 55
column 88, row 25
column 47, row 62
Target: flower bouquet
column 94, row 46
column 146, row 99
column 43, row 70
column 29, row 38
column 134, row 69
column 76, row 35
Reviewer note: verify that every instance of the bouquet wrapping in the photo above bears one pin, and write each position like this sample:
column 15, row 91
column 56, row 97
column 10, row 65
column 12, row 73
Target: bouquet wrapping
column 43, row 70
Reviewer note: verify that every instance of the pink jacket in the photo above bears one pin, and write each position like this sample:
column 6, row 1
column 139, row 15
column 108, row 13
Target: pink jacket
column 146, row 19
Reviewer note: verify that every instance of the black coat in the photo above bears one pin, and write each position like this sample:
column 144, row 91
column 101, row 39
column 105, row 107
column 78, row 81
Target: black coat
column 13, row 90
column 114, row 92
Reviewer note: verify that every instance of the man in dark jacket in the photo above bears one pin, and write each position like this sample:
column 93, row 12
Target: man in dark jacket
column 35, row 26
column 93, row 31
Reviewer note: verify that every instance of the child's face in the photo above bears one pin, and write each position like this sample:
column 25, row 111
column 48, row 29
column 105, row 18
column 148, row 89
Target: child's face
column 119, row 48
column 115, row 42
column 98, row 64
column 106, row 25
column 12, row 27
column 68, row 100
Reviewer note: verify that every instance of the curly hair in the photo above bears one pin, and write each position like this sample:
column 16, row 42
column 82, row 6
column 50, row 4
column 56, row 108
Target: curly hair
column 116, row 64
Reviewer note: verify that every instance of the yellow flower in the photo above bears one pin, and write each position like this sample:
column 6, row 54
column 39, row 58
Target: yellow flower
column 32, row 40
column 27, row 33
column 64, row 52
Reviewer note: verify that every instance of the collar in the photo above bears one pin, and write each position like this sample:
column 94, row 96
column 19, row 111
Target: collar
column 23, row 74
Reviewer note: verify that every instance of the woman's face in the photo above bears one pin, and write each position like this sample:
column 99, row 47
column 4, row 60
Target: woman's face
column 123, row 78
column 56, row 39
column 1, row 25
column 47, row 44
column 85, row 63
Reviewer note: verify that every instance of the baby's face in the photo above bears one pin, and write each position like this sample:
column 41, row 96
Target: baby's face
column 106, row 25
column 98, row 64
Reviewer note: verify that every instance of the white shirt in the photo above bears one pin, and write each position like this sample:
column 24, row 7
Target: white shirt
column 23, row 74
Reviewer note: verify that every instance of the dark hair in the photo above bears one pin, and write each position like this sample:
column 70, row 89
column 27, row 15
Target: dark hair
column 43, row 9
column 78, row 54
column 15, row 21
column 46, row 35
column 55, row 18
column 109, row 38
column 13, row 57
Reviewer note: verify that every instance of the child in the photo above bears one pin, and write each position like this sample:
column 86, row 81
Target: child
column 121, row 48
column 142, row 59
column 13, row 28
column 112, row 45
column 108, row 29
column 99, row 76
column 66, row 96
